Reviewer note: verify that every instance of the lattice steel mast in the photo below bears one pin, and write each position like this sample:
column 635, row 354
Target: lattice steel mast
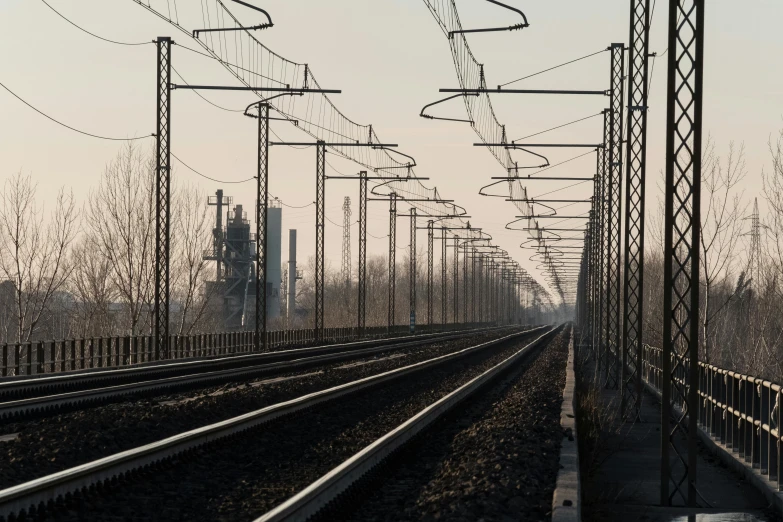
column 615, row 167
column 681, row 252
column 362, row 266
column 638, row 59
column 345, row 268
column 412, row 270
column 392, row 257
column 262, row 196
column 162, row 197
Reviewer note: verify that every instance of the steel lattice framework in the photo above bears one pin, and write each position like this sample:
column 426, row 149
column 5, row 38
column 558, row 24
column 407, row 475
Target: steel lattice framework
column 320, row 229
column 430, row 261
column 603, row 213
column 163, row 197
column 681, row 252
column 261, row 220
column 465, row 300
column 443, row 282
column 456, row 279
column 614, row 186
column 392, row 256
column 591, row 245
column 362, row 268
column 345, row 264
column 412, row 270
column 638, row 58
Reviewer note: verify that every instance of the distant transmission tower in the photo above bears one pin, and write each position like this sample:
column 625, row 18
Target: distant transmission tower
column 755, row 248
column 346, row 265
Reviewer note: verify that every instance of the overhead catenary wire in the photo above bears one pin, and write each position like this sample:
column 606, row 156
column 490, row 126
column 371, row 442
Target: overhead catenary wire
column 562, row 163
column 558, row 127
column 208, row 177
column 202, row 96
column 224, row 62
column 563, row 188
column 553, row 68
column 91, row 33
column 58, row 122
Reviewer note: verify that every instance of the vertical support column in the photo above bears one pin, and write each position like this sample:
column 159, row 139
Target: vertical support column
column 456, row 280
column 362, row 283
column 605, row 202
column 320, row 229
column 478, row 279
column 465, row 282
column 634, row 208
column 392, row 256
column 615, row 234
column 412, row 272
column 473, row 286
column 261, row 235
column 589, row 247
column 430, row 261
column 162, row 197
column 681, row 251
column 444, row 291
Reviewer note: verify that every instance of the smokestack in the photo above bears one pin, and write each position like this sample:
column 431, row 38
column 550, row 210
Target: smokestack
column 291, row 274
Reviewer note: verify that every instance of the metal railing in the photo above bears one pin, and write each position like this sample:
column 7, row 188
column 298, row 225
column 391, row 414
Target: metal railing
column 739, row 411
column 46, row 357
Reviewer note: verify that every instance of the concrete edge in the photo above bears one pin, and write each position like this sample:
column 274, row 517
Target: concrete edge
column 725, row 454
column 566, row 500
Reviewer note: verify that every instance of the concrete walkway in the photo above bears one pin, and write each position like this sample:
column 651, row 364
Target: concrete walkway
column 623, row 484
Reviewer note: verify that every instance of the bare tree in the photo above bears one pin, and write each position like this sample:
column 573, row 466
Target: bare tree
column 34, row 250
column 191, row 236
column 91, row 285
column 120, row 227
column 721, row 222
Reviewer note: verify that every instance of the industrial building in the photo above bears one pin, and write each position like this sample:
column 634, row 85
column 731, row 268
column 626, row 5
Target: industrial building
column 234, row 250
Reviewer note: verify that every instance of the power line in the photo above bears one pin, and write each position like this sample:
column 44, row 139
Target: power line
column 224, row 62
column 92, row 34
column 292, row 206
column 551, row 68
column 558, row 127
column 207, row 177
column 561, row 163
column 202, row 96
column 563, row 188
column 68, row 126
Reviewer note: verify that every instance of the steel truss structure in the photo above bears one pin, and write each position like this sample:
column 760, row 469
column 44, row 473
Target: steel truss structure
column 412, row 270
column 262, row 196
column 320, row 230
column 444, row 288
column 614, row 165
column 362, row 268
column 392, row 256
column 636, row 154
column 604, row 203
column 681, row 252
column 162, row 197
column 430, row 262
column 456, row 279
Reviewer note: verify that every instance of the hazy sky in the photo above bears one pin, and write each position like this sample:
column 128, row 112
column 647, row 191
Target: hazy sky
column 389, row 58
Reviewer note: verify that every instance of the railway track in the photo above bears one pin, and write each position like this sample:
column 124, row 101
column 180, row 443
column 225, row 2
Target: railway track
column 57, row 393
column 364, row 478
column 204, row 447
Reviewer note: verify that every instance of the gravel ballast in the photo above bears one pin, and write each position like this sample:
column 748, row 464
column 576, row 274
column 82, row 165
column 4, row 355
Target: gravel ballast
column 494, row 459
column 241, row 478
column 55, row 443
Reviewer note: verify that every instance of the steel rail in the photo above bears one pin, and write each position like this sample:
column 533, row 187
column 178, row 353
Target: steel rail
column 42, row 491
column 24, row 387
column 89, row 397
column 311, row 500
